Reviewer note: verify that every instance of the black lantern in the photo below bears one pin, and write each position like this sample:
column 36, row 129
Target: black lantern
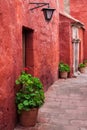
column 48, row 12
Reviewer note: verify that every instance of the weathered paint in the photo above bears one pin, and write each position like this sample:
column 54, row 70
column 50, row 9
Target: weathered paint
column 65, row 38
column 81, row 52
column 61, row 5
column 14, row 14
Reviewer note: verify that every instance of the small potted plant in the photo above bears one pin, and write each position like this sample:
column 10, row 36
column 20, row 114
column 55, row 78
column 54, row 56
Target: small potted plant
column 82, row 67
column 29, row 98
column 85, row 62
column 63, row 70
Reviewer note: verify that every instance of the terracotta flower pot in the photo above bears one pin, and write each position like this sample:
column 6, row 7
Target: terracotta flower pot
column 28, row 118
column 82, row 70
column 63, row 75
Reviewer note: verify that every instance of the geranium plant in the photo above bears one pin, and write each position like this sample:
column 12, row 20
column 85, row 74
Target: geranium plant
column 31, row 94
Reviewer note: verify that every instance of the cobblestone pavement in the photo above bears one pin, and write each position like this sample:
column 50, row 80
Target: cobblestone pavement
column 65, row 107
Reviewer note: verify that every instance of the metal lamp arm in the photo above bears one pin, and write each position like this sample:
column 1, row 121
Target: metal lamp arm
column 38, row 5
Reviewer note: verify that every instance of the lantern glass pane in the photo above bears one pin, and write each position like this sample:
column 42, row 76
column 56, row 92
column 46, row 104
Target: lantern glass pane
column 49, row 14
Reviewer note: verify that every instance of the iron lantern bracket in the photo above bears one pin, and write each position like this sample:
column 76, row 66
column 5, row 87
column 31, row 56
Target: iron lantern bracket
column 38, row 5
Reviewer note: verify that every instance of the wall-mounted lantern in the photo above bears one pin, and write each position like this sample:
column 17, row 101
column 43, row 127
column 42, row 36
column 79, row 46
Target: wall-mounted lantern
column 48, row 12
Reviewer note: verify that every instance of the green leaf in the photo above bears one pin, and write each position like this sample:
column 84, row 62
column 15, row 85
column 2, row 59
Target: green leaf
column 20, row 106
column 26, row 103
column 27, row 96
column 17, row 82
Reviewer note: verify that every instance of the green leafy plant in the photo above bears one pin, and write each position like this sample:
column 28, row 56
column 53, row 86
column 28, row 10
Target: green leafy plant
column 82, row 65
column 64, row 67
column 31, row 94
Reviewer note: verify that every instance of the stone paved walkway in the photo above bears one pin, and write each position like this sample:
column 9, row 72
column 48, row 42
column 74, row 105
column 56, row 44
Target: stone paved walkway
column 65, row 107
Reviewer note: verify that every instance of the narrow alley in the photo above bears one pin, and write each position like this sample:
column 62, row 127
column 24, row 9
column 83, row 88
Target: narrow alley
column 65, row 107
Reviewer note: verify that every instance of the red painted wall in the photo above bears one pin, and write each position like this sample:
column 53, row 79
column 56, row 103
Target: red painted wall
column 81, row 54
column 65, row 38
column 45, row 45
column 65, row 45
column 79, row 10
column 61, row 5
column 13, row 16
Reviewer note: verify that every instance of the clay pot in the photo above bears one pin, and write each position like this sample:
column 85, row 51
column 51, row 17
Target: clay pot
column 28, row 118
column 63, row 75
column 82, row 70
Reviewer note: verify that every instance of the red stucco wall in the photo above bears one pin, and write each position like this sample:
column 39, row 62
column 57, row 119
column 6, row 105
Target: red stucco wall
column 14, row 15
column 81, row 54
column 61, row 5
column 78, row 9
column 65, row 45
column 46, row 44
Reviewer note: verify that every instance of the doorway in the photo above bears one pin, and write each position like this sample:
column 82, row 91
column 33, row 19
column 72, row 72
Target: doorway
column 27, row 49
column 75, row 37
column 75, row 56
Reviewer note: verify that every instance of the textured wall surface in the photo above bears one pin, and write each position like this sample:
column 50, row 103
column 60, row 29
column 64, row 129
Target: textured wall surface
column 14, row 14
column 81, row 45
column 61, row 5
column 45, row 44
column 78, row 9
column 65, row 37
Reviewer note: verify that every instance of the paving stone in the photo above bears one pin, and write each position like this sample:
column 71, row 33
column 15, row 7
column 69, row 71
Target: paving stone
column 85, row 128
column 79, row 122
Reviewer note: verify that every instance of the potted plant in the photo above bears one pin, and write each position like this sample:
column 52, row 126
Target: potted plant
column 82, row 67
column 63, row 70
column 29, row 98
column 85, row 62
